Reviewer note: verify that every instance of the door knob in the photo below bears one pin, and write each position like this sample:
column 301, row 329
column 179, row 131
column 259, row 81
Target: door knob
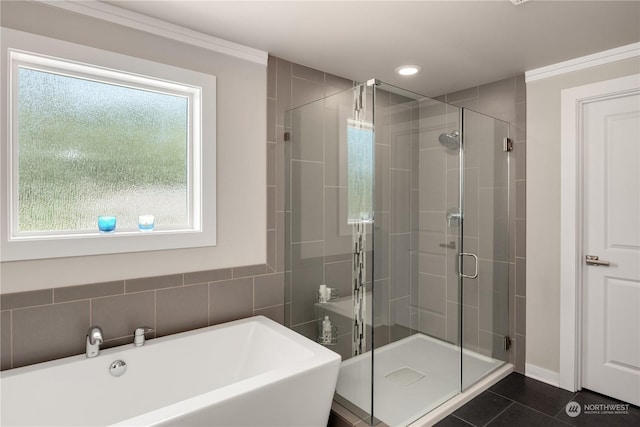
column 594, row 260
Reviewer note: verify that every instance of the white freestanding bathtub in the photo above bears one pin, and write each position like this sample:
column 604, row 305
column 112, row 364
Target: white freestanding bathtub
column 250, row 372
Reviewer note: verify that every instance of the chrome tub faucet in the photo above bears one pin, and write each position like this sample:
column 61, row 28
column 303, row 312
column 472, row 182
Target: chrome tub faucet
column 138, row 335
column 94, row 339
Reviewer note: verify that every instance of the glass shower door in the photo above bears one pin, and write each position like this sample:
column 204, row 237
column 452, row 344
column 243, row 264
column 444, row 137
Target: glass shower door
column 484, row 254
column 416, row 340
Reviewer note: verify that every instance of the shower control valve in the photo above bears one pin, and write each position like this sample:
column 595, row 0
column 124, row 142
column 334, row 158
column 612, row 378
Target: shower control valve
column 453, row 215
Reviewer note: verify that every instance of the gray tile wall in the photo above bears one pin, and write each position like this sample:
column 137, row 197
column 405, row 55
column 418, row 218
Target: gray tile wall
column 437, row 190
column 396, row 215
column 48, row 324
column 318, row 252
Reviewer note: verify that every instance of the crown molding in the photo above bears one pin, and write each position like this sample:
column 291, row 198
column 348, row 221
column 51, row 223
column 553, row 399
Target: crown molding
column 600, row 58
column 138, row 21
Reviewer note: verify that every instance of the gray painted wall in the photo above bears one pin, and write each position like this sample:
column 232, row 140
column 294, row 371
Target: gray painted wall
column 241, row 190
column 543, row 206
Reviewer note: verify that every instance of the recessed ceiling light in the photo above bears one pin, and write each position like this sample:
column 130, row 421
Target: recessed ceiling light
column 408, row 70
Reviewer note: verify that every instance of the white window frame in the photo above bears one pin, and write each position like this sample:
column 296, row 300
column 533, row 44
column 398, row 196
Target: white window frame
column 52, row 55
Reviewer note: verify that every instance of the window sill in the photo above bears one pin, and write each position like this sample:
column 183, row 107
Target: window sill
column 60, row 246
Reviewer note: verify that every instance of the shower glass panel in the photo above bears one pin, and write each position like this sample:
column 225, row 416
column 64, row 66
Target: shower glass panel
column 329, row 170
column 391, row 197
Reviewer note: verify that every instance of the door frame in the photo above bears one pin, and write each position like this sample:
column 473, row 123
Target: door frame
column 571, row 217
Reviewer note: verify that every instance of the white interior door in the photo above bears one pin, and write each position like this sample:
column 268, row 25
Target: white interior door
column 611, row 223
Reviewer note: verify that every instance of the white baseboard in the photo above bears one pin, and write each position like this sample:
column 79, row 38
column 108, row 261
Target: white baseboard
column 542, row 374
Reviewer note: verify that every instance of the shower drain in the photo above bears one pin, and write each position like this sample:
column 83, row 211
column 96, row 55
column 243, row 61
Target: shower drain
column 404, row 376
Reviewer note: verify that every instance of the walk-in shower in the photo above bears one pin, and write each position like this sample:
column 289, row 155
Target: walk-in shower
column 397, row 246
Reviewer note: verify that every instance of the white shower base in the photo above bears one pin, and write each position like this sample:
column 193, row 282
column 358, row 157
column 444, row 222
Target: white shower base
column 411, row 377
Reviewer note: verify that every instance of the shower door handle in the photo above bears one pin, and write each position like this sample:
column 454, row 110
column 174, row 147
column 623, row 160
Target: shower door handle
column 475, row 258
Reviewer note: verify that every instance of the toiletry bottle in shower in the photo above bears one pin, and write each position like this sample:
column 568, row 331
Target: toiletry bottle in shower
column 322, row 294
column 326, row 330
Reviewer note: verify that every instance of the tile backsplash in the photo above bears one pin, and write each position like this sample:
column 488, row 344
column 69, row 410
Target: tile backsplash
column 48, row 324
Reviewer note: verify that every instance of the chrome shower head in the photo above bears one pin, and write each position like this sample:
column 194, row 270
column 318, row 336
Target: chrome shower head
column 450, row 140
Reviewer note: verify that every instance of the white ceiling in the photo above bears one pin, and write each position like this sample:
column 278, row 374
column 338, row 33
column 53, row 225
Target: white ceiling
column 459, row 44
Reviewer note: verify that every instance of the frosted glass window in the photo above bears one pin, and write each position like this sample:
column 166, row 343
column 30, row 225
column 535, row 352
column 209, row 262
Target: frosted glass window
column 360, row 144
column 89, row 148
column 93, row 133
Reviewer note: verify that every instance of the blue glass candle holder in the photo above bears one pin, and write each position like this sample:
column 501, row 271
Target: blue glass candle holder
column 146, row 222
column 106, row 224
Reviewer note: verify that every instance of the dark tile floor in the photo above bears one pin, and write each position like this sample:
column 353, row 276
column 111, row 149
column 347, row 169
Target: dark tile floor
column 518, row 401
